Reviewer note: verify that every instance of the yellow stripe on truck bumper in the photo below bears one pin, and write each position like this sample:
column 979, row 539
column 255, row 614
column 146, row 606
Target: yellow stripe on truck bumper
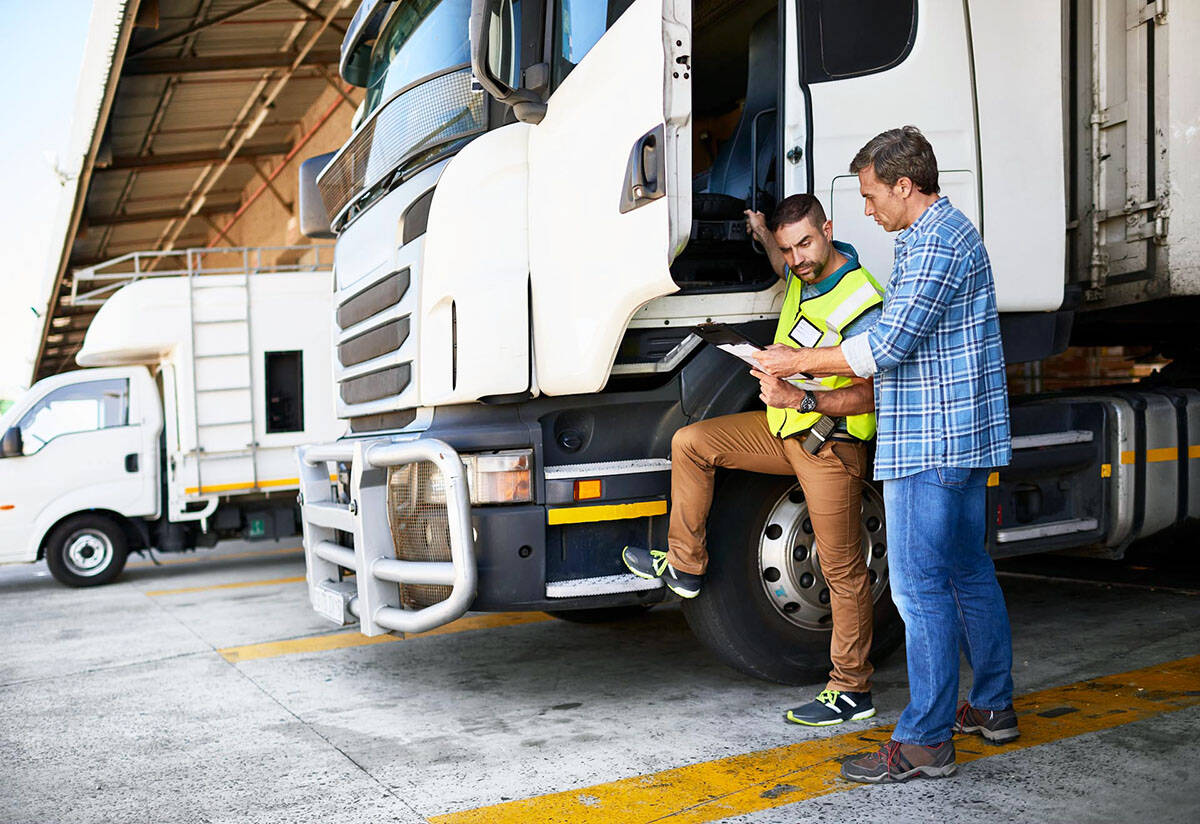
column 607, row 512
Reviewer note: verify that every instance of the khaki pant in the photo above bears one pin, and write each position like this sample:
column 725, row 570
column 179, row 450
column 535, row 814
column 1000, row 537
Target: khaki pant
column 832, row 483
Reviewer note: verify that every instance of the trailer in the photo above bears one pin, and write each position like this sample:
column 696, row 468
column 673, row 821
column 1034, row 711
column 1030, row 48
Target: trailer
column 199, row 383
column 530, row 221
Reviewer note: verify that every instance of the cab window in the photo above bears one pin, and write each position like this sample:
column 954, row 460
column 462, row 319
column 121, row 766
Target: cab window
column 849, row 38
column 80, row 407
column 578, row 25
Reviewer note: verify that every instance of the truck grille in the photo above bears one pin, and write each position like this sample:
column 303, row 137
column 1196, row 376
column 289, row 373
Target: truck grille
column 420, row 526
column 427, row 114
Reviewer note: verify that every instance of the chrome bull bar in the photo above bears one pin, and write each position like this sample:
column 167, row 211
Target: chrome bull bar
column 372, row 595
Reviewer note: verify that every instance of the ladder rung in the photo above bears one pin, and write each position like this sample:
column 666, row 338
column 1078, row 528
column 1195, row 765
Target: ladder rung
column 225, row 389
column 225, row 423
column 224, row 355
column 214, row 322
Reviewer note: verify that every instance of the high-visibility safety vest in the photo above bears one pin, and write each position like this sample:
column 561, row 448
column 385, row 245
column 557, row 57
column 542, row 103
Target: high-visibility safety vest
column 820, row 321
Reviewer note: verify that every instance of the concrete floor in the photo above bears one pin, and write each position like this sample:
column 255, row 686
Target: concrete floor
column 115, row 705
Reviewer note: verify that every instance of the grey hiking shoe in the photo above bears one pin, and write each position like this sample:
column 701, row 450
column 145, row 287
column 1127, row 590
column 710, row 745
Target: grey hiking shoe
column 996, row 726
column 899, row 762
column 652, row 563
column 832, row 707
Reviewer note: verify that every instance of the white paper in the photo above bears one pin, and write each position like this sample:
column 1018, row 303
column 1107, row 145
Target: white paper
column 745, row 352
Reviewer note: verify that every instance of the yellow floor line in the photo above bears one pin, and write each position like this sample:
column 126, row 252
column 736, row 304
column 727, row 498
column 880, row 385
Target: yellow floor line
column 154, row 593
column 342, row 640
column 743, row 784
column 202, row 557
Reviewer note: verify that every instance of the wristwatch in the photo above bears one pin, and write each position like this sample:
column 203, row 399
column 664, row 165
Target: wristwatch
column 809, row 404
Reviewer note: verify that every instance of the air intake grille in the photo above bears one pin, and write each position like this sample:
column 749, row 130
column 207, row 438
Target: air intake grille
column 420, row 525
column 429, row 113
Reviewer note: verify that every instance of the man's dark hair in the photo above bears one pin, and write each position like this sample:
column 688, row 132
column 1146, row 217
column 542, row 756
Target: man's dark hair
column 795, row 208
column 898, row 153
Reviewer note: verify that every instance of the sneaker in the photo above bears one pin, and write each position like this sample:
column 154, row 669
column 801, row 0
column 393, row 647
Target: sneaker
column 996, row 726
column 652, row 563
column 899, row 762
column 832, row 707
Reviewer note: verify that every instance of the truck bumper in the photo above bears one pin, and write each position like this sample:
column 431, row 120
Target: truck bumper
column 365, row 544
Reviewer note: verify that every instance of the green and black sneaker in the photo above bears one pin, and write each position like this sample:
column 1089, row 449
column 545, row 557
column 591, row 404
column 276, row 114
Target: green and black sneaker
column 832, row 707
column 652, row 563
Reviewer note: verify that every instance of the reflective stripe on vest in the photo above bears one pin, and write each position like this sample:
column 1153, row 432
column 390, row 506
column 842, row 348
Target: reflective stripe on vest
column 821, row 320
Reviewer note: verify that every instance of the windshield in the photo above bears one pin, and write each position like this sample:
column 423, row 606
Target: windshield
column 419, row 37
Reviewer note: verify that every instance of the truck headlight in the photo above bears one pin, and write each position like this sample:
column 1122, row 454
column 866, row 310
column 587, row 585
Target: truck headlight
column 500, row 477
column 492, row 478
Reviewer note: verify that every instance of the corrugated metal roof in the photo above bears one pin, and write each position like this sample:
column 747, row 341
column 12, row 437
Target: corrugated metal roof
column 192, row 80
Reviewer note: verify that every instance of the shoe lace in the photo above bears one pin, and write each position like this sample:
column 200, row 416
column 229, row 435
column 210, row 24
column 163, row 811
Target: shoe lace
column 828, row 698
column 961, row 718
column 889, row 753
column 658, row 558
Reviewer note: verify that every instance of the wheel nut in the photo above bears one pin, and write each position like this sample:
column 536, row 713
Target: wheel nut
column 807, row 580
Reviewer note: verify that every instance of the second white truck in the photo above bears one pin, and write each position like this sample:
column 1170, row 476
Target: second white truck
column 181, row 429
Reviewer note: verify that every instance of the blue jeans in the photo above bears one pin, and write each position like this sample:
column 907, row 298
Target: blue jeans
column 944, row 586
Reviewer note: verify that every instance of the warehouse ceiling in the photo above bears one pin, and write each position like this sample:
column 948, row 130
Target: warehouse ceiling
column 205, row 96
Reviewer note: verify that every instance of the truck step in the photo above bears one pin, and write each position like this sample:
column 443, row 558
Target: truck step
column 603, row 585
column 1052, row 439
column 1028, row 533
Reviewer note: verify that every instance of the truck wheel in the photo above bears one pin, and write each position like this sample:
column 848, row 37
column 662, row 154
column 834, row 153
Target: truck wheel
column 601, row 615
column 86, row 551
column 764, row 608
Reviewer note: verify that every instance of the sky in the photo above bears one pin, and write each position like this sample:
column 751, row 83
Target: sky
column 41, row 55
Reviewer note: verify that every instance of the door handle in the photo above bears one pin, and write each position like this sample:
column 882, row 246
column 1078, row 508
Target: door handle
column 131, row 462
column 646, row 171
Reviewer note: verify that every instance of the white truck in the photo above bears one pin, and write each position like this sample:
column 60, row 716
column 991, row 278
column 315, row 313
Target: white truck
column 529, row 222
column 182, row 428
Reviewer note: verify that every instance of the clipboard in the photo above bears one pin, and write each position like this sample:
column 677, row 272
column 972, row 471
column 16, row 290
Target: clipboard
column 730, row 340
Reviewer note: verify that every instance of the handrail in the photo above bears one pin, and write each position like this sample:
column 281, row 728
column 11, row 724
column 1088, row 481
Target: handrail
column 104, row 280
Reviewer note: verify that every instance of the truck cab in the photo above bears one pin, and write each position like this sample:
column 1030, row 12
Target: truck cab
column 85, row 441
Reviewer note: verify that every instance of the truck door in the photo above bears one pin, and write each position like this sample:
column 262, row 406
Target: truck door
column 865, row 66
column 89, row 442
column 609, row 180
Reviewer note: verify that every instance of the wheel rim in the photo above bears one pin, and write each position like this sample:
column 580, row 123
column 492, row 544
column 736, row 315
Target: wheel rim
column 88, row 552
column 789, row 564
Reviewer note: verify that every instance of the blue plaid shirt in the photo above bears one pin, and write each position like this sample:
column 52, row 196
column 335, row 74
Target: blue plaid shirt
column 940, row 395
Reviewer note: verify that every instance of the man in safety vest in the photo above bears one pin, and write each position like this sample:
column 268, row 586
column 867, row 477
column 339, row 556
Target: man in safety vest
column 818, row 436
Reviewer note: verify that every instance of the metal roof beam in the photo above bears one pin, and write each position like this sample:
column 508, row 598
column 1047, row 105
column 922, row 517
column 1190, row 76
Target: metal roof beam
column 151, row 66
column 150, row 217
column 313, row 14
column 182, row 160
column 199, row 25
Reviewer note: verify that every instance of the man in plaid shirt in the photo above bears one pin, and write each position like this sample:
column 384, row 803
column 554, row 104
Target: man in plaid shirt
column 942, row 410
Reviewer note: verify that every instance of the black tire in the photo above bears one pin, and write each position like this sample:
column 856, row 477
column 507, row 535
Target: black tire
column 601, row 615
column 733, row 615
column 86, row 550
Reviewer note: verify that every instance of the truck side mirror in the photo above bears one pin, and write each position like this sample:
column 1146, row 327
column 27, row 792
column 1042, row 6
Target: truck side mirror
column 496, row 57
column 12, row 445
column 314, row 219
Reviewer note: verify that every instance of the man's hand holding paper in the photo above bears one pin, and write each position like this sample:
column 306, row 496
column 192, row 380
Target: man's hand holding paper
column 781, row 361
